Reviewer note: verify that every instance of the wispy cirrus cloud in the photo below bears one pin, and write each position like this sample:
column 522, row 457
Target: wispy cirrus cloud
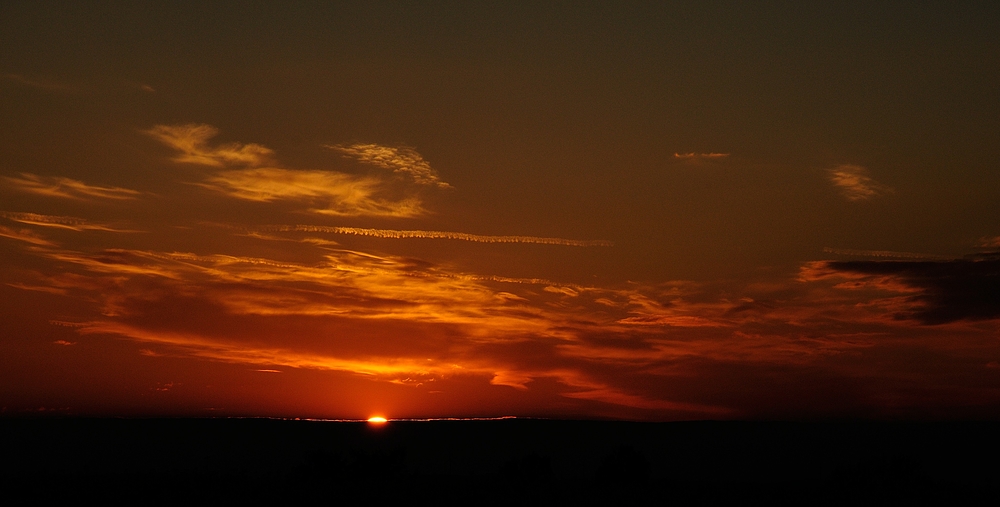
column 855, row 184
column 213, row 348
column 58, row 186
column 645, row 311
column 886, row 254
column 700, row 156
column 401, row 160
column 324, row 192
column 25, row 236
column 328, row 192
column 460, row 236
column 41, row 83
column 192, row 141
column 60, row 222
column 992, row 243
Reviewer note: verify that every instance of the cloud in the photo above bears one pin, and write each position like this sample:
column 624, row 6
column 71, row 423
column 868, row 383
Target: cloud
column 71, row 223
column 39, row 288
column 331, row 193
column 855, row 184
column 939, row 292
column 700, row 156
column 57, row 186
column 398, row 234
column 326, row 192
column 883, row 254
column 24, row 235
column 400, row 160
column 992, row 243
column 192, row 141
column 618, row 397
column 41, row 83
column 242, row 353
column 675, row 349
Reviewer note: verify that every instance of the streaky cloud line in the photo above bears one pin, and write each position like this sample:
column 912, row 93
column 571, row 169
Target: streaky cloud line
column 41, row 83
column 71, row 223
column 24, row 235
column 58, row 186
column 693, row 155
column 462, row 236
column 216, row 261
column 195, row 345
column 887, row 254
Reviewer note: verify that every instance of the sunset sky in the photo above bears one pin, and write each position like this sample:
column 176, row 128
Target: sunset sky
column 651, row 211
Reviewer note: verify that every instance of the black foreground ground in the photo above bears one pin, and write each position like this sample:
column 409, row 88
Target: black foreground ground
column 513, row 461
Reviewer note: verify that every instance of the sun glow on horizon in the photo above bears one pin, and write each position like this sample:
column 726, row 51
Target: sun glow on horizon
column 377, row 420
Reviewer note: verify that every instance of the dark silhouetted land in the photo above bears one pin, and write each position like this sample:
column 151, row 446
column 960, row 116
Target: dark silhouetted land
column 493, row 462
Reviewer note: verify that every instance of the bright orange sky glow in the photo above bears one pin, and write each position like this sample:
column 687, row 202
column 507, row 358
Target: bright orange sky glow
column 328, row 211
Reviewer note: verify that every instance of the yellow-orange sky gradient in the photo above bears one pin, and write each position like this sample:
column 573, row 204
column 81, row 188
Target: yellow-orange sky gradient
column 336, row 210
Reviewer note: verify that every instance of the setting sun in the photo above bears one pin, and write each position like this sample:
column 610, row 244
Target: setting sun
column 377, row 420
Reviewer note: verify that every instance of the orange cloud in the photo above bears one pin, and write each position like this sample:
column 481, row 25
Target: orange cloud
column 332, row 193
column 883, row 254
column 41, row 83
column 57, row 186
column 39, row 288
column 234, row 352
column 462, row 236
column 24, row 235
column 71, row 223
column 617, row 397
column 695, row 156
column 400, row 160
column 855, row 184
column 991, row 243
column 192, row 141
column 325, row 192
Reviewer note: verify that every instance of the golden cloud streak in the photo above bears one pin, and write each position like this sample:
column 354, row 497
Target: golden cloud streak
column 327, row 192
column 429, row 296
column 242, row 354
column 57, row 186
column 462, row 236
column 71, row 223
column 400, row 160
column 39, row 288
column 617, row 397
column 855, row 184
column 24, row 235
column 192, row 141
column 42, row 83
column 884, row 254
column 693, row 155
column 342, row 194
